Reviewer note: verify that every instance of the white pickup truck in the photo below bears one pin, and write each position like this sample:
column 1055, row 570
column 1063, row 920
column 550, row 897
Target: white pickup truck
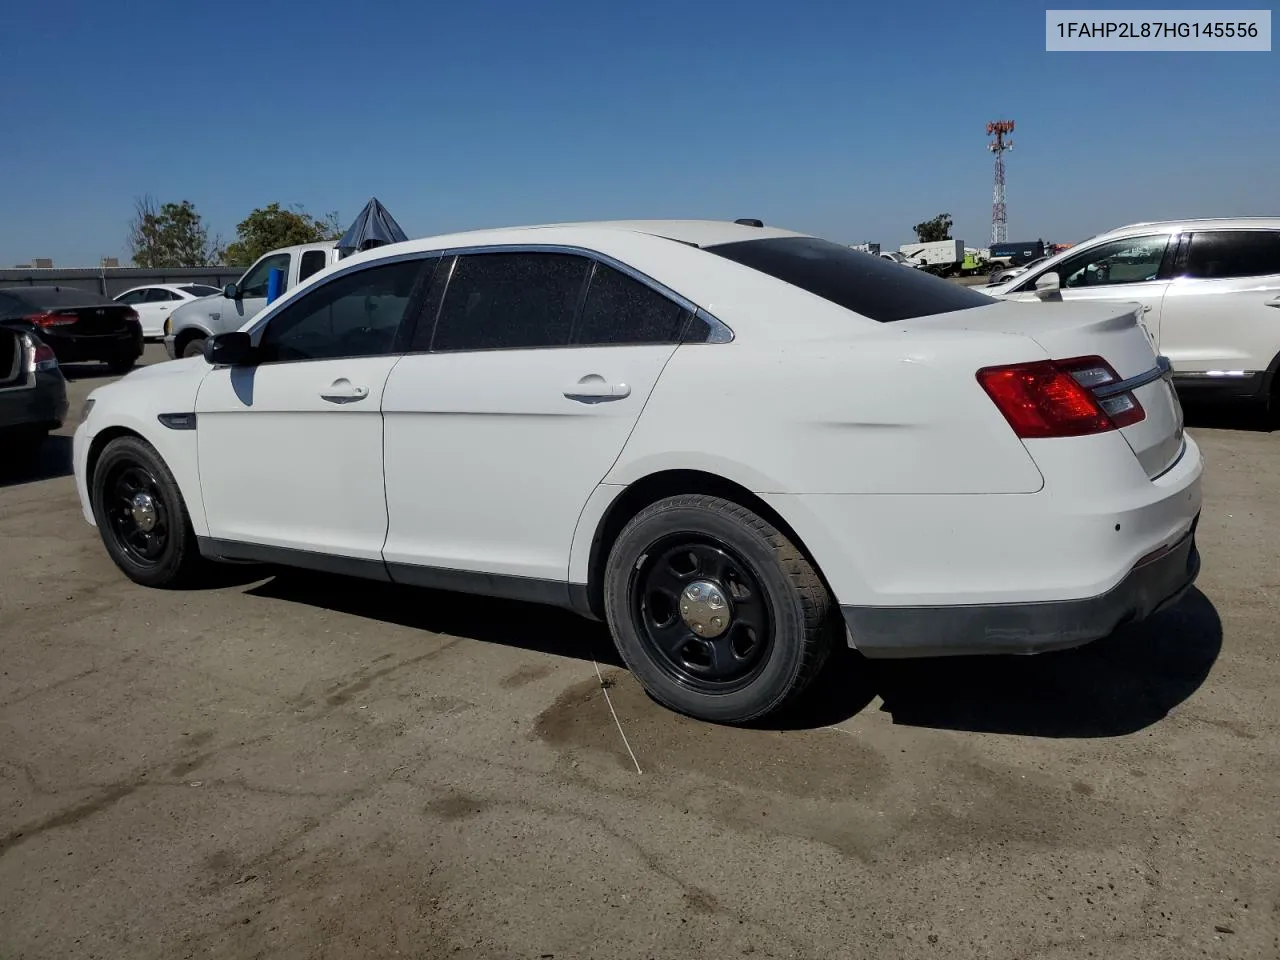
column 192, row 323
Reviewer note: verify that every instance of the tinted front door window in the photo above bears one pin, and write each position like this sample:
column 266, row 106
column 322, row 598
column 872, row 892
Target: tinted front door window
column 353, row 315
column 255, row 283
column 621, row 309
column 1221, row 254
column 510, row 301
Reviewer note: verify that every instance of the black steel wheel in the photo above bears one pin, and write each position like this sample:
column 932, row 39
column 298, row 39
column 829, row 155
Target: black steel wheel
column 703, row 615
column 141, row 516
column 716, row 612
column 136, row 511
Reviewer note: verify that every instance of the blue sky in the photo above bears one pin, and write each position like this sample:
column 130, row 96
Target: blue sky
column 853, row 121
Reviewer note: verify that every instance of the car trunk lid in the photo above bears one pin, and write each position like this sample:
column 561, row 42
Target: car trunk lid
column 1112, row 333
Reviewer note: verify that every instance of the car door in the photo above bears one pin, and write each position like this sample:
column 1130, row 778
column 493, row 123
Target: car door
column 155, row 309
column 1128, row 269
column 536, row 369
column 252, row 288
column 290, row 446
column 1222, row 312
column 137, row 299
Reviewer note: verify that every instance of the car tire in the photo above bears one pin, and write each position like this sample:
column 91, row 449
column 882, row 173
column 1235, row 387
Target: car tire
column 122, row 366
column 193, row 347
column 778, row 621
column 163, row 555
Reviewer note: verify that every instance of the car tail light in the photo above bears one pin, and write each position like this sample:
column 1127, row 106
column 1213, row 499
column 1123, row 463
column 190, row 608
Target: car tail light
column 41, row 356
column 132, row 315
column 1056, row 398
column 1095, row 374
column 47, row 320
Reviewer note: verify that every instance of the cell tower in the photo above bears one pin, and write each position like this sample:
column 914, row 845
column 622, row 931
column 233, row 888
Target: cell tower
column 999, row 220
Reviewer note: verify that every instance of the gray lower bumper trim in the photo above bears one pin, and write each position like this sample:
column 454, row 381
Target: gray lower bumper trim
column 1025, row 627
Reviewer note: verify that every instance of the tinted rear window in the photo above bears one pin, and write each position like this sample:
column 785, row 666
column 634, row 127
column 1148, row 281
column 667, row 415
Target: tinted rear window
column 1221, row 254
column 47, row 298
column 878, row 289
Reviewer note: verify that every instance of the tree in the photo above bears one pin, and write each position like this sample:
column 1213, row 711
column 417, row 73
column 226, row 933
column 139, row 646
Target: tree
column 270, row 227
column 939, row 228
column 169, row 235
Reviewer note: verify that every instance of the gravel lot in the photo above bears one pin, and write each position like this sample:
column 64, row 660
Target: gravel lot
column 298, row 766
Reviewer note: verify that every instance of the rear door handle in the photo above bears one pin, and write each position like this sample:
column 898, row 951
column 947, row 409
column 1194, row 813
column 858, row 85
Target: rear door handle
column 343, row 390
column 594, row 388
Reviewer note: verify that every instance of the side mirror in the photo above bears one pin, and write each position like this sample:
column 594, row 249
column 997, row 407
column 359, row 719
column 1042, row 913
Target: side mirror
column 229, row 349
column 1048, row 284
column 231, row 291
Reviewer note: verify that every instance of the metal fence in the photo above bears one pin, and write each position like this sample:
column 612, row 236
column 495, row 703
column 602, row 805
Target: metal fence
column 111, row 281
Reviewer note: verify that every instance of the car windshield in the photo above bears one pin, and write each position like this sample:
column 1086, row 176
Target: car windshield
column 871, row 286
column 199, row 290
column 50, row 298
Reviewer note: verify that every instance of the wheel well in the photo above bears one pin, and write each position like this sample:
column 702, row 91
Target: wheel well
column 659, row 486
column 185, row 337
column 100, row 441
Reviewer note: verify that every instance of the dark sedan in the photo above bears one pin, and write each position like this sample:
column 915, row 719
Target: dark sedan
column 79, row 325
column 33, row 396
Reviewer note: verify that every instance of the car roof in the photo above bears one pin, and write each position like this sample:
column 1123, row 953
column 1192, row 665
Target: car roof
column 165, row 286
column 698, row 233
column 1195, row 223
column 52, row 296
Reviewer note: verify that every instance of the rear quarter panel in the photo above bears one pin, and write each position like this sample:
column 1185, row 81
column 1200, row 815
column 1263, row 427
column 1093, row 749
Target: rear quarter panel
column 883, row 412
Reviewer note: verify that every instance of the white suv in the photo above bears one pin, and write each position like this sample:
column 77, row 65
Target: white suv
column 1210, row 290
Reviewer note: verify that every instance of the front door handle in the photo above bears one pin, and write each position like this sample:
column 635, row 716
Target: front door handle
column 594, row 388
column 343, row 390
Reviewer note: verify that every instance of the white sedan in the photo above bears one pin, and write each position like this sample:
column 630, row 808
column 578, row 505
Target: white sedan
column 737, row 445
column 155, row 302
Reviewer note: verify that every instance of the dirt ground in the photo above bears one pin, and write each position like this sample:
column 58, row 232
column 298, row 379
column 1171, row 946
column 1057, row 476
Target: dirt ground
column 297, row 766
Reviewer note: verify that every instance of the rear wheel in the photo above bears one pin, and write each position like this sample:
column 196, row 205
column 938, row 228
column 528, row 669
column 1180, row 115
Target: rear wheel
column 716, row 612
column 141, row 516
column 123, row 365
column 193, row 347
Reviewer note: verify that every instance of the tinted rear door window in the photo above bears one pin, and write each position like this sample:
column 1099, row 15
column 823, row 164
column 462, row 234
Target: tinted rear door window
column 620, row 309
column 876, row 288
column 510, row 301
column 1220, row 254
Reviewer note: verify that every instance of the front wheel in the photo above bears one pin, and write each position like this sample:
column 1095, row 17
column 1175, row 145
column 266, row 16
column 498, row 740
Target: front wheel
column 716, row 612
column 141, row 516
column 194, row 347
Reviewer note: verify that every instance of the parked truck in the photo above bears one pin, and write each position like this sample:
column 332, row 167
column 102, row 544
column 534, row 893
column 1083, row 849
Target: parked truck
column 191, row 324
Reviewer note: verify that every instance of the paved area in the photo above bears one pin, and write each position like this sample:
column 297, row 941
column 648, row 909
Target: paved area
column 296, row 766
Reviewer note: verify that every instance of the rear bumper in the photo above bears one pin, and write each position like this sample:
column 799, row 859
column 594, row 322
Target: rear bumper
column 43, row 405
column 77, row 349
column 1026, row 628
